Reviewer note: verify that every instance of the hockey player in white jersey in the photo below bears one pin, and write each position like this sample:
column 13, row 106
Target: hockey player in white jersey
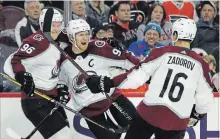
column 179, row 77
column 95, row 57
column 35, row 65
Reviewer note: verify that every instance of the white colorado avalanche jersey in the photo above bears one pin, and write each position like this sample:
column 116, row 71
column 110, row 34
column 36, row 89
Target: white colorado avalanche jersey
column 97, row 59
column 179, row 78
column 40, row 58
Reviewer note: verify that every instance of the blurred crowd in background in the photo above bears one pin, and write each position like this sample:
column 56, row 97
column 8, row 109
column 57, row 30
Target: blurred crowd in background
column 138, row 26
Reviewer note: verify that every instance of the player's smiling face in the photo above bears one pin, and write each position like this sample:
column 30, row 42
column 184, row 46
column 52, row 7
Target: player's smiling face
column 82, row 40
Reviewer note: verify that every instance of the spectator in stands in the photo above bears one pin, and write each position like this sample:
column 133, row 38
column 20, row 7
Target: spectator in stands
column 29, row 24
column 139, row 10
column 212, row 63
column 125, row 30
column 215, row 3
column 98, row 10
column 207, row 36
column 210, row 59
column 79, row 12
column 142, row 48
column 179, row 9
column 157, row 13
column 104, row 31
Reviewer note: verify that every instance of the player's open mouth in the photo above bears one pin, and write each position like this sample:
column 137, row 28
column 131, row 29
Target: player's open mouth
column 83, row 43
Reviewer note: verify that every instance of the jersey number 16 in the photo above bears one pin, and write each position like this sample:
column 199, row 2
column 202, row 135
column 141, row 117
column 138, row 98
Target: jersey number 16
column 175, row 83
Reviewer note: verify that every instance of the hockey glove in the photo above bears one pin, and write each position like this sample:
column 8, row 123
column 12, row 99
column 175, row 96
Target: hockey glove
column 115, row 44
column 99, row 84
column 27, row 82
column 194, row 117
column 63, row 93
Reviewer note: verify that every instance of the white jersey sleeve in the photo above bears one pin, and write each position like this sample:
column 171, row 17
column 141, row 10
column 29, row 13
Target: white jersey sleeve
column 140, row 74
column 178, row 79
column 63, row 76
column 204, row 95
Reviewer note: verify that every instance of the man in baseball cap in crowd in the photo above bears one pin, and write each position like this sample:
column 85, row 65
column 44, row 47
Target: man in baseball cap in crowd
column 205, row 3
column 152, row 34
column 106, row 33
column 207, row 35
column 103, row 31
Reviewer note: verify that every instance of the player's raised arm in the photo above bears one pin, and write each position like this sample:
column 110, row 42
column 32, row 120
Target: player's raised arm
column 114, row 56
column 144, row 70
column 132, row 79
column 179, row 77
column 204, row 92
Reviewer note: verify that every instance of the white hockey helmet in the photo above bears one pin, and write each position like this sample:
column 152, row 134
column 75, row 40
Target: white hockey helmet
column 57, row 17
column 75, row 26
column 185, row 28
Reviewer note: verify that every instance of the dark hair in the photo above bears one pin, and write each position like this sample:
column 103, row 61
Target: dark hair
column 202, row 4
column 102, row 27
column 119, row 3
column 151, row 8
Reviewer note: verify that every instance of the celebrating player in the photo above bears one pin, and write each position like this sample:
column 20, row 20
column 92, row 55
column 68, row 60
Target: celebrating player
column 178, row 77
column 35, row 65
column 95, row 57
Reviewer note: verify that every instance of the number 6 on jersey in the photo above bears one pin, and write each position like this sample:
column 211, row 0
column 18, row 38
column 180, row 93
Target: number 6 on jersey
column 27, row 48
column 175, row 83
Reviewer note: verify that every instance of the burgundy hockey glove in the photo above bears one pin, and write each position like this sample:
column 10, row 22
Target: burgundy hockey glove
column 194, row 117
column 99, row 84
column 63, row 93
column 27, row 82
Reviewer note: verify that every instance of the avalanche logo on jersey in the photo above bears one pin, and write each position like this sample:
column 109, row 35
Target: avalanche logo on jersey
column 38, row 37
column 55, row 71
column 78, row 83
column 100, row 43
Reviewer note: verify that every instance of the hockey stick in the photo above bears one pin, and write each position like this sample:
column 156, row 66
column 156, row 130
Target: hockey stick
column 46, row 30
column 119, row 130
column 10, row 132
column 115, row 104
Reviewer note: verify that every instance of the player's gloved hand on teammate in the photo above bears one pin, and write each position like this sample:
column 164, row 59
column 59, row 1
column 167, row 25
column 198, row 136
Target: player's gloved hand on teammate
column 27, row 82
column 194, row 118
column 99, row 84
column 63, row 93
column 115, row 43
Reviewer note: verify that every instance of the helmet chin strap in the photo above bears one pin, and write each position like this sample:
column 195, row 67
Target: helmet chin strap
column 73, row 41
